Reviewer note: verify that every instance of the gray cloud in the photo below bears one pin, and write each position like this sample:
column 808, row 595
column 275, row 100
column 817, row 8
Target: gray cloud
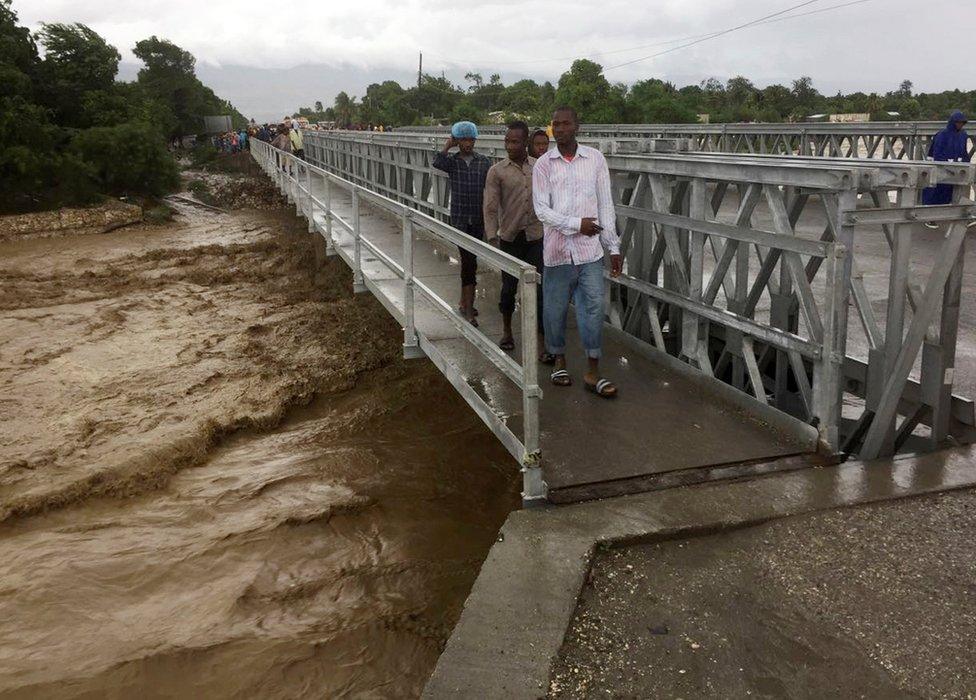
column 310, row 49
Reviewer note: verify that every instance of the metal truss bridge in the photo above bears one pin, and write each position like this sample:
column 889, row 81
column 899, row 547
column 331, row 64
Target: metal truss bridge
column 730, row 333
column 897, row 140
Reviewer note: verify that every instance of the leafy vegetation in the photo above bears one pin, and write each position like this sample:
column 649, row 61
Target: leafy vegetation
column 597, row 100
column 70, row 132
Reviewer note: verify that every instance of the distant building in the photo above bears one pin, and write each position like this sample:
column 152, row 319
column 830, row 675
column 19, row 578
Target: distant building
column 849, row 118
column 216, row 124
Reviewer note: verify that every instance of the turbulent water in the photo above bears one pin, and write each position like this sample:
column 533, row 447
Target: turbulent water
column 217, row 478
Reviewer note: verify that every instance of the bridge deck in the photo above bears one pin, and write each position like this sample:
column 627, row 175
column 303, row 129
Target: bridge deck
column 666, row 422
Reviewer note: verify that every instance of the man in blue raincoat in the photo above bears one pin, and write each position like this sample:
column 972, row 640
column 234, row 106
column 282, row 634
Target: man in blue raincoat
column 950, row 144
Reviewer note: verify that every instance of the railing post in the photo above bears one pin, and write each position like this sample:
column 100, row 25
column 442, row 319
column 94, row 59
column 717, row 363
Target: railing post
column 357, row 268
column 828, row 369
column 534, row 488
column 310, row 200
column 329, row 243
column 411, row 346
column 296, row 186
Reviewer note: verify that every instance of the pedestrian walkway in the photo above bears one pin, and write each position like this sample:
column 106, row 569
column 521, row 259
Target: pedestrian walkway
column 669, row 425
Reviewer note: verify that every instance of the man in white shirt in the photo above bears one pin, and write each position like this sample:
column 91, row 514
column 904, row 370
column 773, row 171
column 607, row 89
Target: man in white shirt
column 572, row 197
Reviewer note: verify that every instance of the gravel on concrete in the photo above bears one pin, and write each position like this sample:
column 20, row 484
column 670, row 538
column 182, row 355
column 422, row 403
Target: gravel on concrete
column 874, row 601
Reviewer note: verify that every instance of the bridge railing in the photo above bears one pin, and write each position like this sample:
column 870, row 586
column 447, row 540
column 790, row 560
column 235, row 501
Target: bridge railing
column 754, row 287
column 313, row 191
column 893, row 140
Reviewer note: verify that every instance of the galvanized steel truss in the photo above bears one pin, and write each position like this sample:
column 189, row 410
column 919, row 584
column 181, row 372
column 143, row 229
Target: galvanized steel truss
column 718, row 274
column 896, row 140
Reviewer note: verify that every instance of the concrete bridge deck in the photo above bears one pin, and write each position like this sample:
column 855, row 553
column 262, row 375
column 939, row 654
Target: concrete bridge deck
column 669, row 425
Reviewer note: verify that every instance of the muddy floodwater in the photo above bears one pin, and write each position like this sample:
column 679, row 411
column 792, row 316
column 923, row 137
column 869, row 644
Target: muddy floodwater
column 218, row 478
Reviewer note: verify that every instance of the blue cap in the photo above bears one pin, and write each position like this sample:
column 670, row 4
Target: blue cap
column 464, row 130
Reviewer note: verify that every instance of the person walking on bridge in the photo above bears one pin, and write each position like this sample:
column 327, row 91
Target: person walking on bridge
column 572, row 197
column 467, row 171
column 297, row 142
column 540, row 143
column 511, row 224
column 282, row 141
column 950, row 144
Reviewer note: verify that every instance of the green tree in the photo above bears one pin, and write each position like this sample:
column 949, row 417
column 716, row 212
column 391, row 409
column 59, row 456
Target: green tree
column 345, row 109
column 127, row 159
column 434, row 98
column 656, row 102
column 169, row 78
column 776, row 101
column 385, row 103
column 466, row 110
column 739, row 91
column 17, row 46
column 585, row 88
column 806, row 99
column 78, row 69
column 523, row 97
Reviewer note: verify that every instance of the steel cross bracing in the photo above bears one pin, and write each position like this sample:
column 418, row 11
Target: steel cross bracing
column 893, row 140
column 745, row 266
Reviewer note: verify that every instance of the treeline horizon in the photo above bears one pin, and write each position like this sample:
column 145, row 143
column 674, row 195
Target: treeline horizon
column 70, row 132
column 436, row 100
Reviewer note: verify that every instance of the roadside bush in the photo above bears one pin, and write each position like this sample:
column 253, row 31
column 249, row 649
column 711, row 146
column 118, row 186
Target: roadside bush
column 202, row 155
column 127, row 159
column 158, row 215
column 201, row 190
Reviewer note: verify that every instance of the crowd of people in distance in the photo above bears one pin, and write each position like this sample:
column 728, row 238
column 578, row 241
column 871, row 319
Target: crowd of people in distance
column 231, row 141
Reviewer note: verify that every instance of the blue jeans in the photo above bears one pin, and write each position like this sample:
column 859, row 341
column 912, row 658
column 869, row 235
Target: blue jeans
column 583, row 284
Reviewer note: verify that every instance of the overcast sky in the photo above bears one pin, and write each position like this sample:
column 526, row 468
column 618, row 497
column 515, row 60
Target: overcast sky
column 310, row 49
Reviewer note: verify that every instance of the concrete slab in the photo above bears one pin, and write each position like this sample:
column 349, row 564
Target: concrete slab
column 517, row 614
column 585, row 440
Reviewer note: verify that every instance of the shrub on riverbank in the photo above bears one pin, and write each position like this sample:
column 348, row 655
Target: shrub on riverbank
column 127, row 159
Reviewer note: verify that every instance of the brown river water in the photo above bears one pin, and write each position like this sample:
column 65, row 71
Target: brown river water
column 218, row 478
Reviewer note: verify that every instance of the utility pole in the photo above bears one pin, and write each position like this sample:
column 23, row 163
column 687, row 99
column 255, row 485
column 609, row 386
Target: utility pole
column 420, row 69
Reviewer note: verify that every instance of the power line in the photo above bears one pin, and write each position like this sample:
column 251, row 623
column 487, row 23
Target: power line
column 771, row 20
column 715, row 35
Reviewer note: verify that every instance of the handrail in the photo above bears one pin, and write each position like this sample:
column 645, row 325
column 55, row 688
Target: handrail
column 285, row 167
column 495, row 256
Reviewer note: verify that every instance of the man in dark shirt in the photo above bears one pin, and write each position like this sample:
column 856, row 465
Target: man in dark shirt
column 467, row 171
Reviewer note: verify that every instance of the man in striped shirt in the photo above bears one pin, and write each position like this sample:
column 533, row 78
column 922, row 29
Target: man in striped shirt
column 572, row 197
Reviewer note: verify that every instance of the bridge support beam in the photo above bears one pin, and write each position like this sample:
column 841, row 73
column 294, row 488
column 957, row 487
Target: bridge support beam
column 358, row 286
column 411, row 345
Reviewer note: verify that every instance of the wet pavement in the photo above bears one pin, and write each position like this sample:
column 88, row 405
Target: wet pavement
column 873, row 601
column 515, row 620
